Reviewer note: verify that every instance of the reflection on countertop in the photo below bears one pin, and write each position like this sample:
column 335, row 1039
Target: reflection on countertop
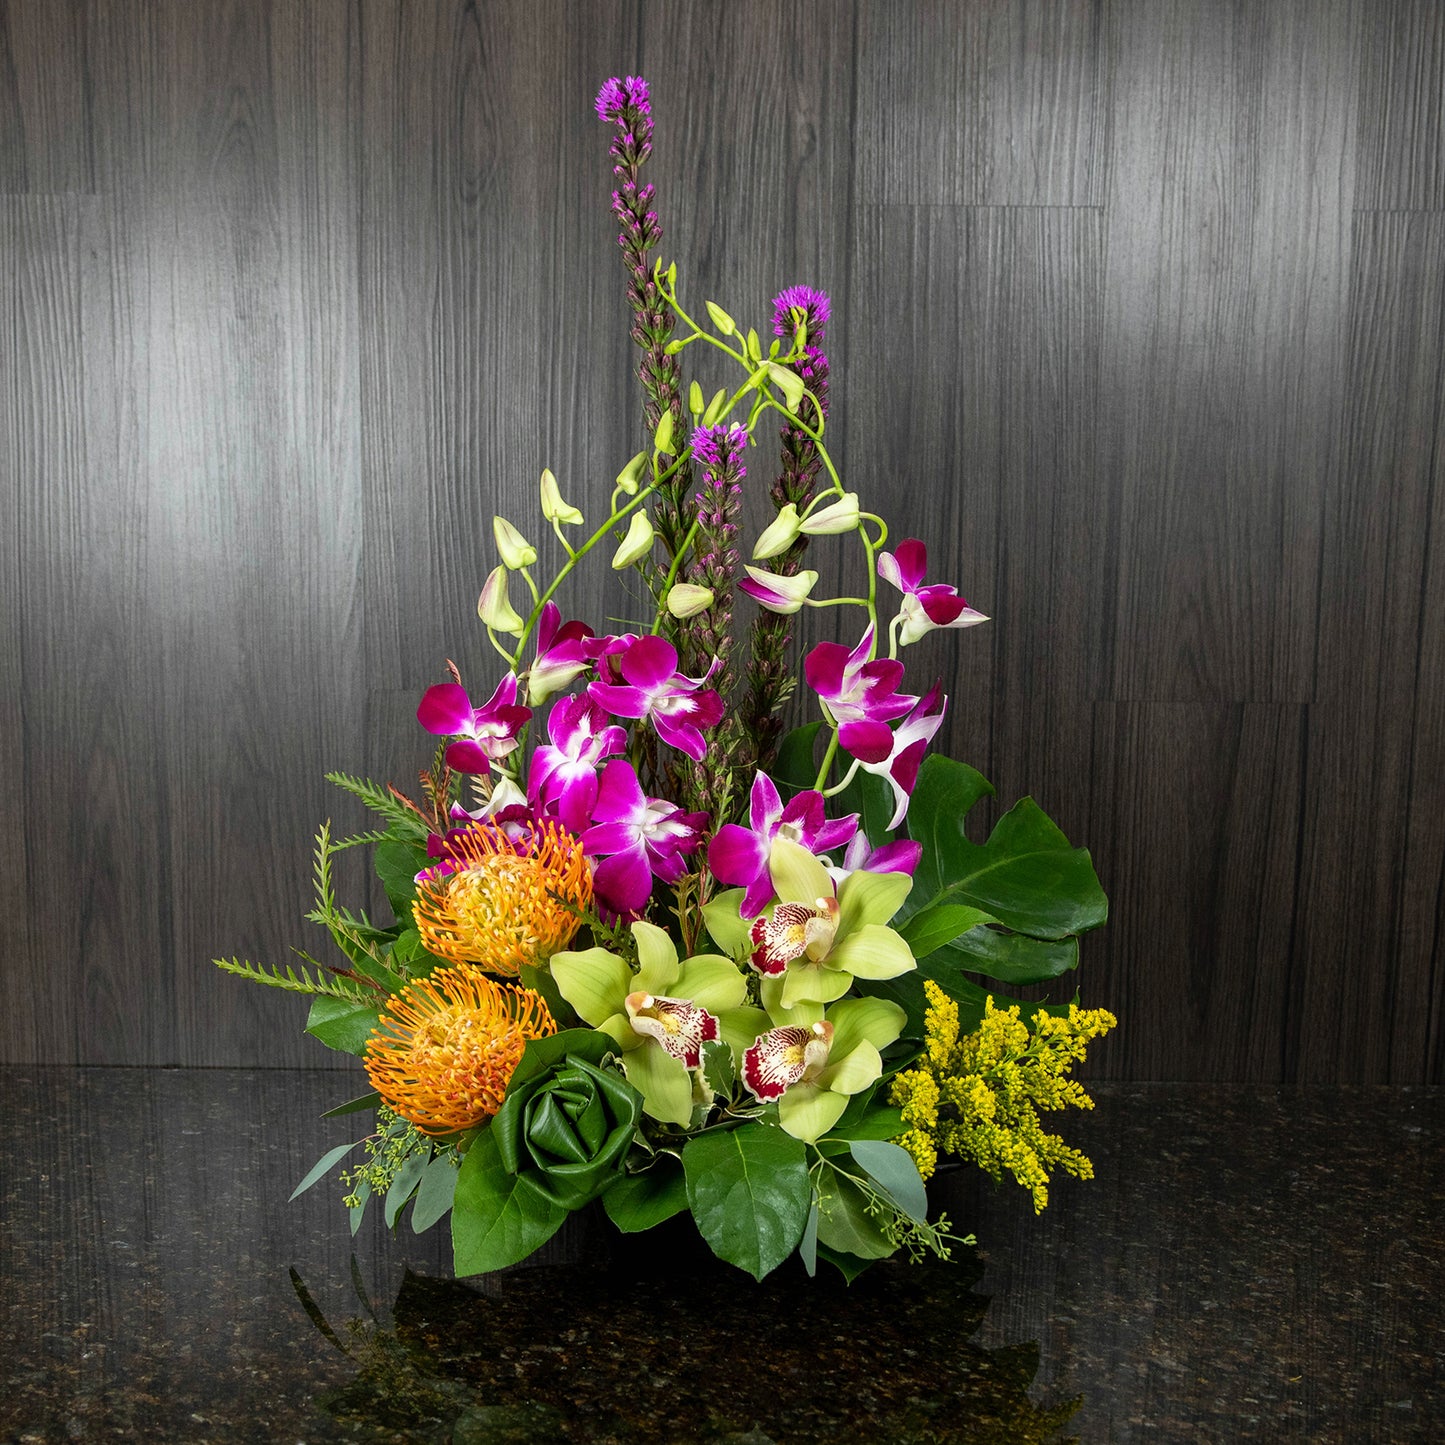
column 1249, row 1264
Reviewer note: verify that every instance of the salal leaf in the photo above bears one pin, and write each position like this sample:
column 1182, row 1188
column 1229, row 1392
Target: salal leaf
column 796, row 769
column 397, row 865
column 749, row 1194
column 497, row 1218
column 640, row 1201
column 341, row 1024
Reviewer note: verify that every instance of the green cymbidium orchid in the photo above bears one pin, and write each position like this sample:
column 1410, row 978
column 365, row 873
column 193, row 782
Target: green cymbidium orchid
column 659, row 1017
column 815, row 1060
column 815, row 938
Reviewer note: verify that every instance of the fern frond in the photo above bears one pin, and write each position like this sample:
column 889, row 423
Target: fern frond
column 337, row 986
column 386, row 801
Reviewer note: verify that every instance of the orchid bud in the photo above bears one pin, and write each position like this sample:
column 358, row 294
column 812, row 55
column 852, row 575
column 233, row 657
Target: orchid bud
column 778, row 594
column 778, row 535
column 493, row 607
column 505, row 794
column 721, row 319
column 662, row 438
column 789, row 383
column 672, row 276
column 841, row 516
column 636, row 544
column 694, row 398
column 715, row 407
column 686, row 599
column 673, row 347
column 752, row 348
column 631, row 475
column 516, row 551
column 554, row 509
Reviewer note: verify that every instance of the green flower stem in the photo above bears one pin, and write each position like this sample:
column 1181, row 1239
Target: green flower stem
column 828, row 757
column 817, row 437
column 557, row 528
column 531, row 585
column 510, row 660
column 672, row 575
column 836, row 602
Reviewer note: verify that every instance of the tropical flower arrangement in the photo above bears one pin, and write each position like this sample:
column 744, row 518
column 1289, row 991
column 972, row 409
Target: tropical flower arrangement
column 650, row 950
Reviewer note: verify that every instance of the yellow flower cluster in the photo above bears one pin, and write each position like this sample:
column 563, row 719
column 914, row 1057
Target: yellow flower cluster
column 980, row 1096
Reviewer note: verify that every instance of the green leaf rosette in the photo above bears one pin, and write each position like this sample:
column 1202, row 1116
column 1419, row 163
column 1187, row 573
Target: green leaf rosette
column 567, row 1122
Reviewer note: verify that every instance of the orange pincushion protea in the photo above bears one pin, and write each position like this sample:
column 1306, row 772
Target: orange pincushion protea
column 447, row 1046
column 496, row 904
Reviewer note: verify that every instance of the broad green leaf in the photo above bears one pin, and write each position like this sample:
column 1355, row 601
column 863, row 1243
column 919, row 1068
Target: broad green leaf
column 322, row 1167
column 1012, row 958
column 539, row 980
column 497, row 1218
column 341, row 1024
column 545, row 1053
column 397, row 865
column 352, row 1106
column 848, row 1265
column 844, row 1223
column 943, row 797
column 1026, row 875
column 404, row 1183
column 749, row 1193
column 640, row 1201
column 435, row 1194
column 893, row 1170
column 932, row 927
column 410, row 956
column 878, row 1121
column 796, row 768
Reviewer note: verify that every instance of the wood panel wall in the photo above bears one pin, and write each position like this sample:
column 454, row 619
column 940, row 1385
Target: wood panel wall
column 1140, row 321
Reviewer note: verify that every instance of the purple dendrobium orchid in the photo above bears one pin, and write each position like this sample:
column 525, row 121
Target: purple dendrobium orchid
column 739, row 856
column 924, row 608
column 484, row 735
column 781, row 594
column 652, row 687
column 900, row 856
column 562, row 655
column 855, row 688
column 563, row 780
column 636, row 837
column 898, row 766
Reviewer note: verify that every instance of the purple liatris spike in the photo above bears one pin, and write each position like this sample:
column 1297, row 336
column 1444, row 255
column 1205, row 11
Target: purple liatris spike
column 814, row 304
column 618, row 96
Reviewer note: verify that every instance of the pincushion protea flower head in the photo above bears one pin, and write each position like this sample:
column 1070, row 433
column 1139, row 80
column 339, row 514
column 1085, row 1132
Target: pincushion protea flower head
column 495, row 902
column 447, row 1045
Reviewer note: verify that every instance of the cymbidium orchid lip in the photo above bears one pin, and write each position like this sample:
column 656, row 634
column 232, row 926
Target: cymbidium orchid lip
column 681, row 1027
column 785, row 1056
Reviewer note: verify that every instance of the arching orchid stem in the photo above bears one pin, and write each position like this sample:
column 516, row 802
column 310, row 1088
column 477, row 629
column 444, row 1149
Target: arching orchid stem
column 828, row 756
column 671, row 577
column 847, row 778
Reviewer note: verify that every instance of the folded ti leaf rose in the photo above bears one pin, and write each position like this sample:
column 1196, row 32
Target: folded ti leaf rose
column 568, row 1121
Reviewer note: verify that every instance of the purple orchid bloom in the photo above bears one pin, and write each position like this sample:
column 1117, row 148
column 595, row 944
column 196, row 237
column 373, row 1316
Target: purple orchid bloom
column 924, row 608
column 484, row 735
column 636, row 837
column 563, row 780
column 652, row 687
column 855, row 689
column 897, row 763
column 739, row 856
column 562, row 655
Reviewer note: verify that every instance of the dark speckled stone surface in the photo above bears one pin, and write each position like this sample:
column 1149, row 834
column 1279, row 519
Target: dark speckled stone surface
column 1249, row 1264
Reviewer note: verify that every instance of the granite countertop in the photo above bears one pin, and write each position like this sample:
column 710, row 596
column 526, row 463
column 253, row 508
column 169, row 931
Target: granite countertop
column 1248, row 1264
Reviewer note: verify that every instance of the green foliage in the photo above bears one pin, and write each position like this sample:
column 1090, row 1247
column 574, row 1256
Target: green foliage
column 498, row 1218
column 327, row 985
column 343, row 1024
column 404, row 819
column 749, row 1195
column 640, row 1201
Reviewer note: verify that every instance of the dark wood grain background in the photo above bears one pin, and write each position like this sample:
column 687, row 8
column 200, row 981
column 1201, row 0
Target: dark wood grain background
column 1140, row 321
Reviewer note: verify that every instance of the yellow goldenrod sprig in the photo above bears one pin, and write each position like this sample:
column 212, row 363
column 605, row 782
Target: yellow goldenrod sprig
column 980, row 1096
